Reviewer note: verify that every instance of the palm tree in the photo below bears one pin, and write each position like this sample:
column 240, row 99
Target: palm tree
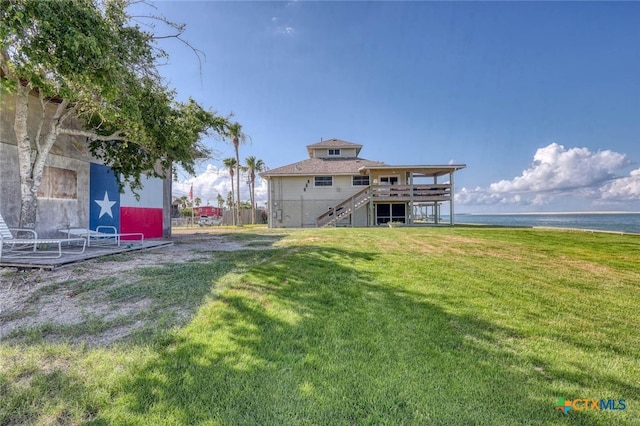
column 184, row 201
column 220, row 201
column 254, row 165
column 231, row 164
column 230, row 200
column 234, row 131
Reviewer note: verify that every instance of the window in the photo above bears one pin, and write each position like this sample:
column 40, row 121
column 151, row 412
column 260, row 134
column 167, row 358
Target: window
column 389, row 180
column 360, row 181
column 390, row 213
column 59, row 183
column 334, row 152
column 323, row 181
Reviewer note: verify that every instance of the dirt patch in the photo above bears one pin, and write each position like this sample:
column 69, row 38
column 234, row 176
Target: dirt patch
column 71, row 296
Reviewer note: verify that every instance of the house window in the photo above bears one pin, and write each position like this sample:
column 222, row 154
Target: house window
column 360, row 181
column 334, row 152
column 390, row 213
column 323, row 181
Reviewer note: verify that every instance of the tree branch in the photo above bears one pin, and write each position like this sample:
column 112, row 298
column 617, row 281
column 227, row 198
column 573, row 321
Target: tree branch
column 180, row 28
column 70, row 112
column 41, row 121
column 116, row 136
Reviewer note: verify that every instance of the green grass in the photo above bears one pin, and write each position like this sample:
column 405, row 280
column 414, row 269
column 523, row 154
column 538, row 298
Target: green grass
column 451, row 326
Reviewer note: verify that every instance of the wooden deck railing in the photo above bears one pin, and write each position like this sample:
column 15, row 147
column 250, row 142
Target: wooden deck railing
column 435, row 192
column 384, row 193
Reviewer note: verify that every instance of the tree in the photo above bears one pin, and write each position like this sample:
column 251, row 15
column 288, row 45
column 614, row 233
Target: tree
column 184, row 202
column 254, row 165
column 231, row 164
column 230, row 200
column 186, row 212
column 220, row 201
column 197, row 201
column 84, row 63
column 234, row 131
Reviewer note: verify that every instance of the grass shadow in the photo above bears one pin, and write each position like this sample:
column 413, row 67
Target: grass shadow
column 308, row 339
column 310, row 334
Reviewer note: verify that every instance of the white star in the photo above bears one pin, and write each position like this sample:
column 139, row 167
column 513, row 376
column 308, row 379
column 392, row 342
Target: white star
column 105, row 205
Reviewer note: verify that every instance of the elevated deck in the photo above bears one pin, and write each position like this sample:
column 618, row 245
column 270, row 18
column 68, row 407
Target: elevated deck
column 414, row 193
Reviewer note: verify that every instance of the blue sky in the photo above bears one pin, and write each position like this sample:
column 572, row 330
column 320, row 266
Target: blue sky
column 541, row 100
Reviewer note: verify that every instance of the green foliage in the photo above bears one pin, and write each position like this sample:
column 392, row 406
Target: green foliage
column 254, row 165
column 186, row 212
column 70, row 48
column 237, row 136
column 87, row 53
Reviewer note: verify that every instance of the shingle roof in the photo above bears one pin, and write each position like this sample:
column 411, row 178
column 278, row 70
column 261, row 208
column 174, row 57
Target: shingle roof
column 323, row 166
column 333, row 143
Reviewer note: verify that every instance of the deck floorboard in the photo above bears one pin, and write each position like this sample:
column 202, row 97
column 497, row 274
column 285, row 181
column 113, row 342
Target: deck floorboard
column 91, row 252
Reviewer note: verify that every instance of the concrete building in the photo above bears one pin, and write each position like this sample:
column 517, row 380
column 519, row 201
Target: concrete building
column 77, row 190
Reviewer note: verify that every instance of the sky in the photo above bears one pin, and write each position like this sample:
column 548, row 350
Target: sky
column 541, row 100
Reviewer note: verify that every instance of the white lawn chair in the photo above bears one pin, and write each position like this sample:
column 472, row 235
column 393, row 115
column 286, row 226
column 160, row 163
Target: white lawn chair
column 34, row 247
column 103, row 235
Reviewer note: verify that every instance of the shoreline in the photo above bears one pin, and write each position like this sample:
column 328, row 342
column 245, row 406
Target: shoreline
column 592, row 231
column 546, row 213
column 553, row 228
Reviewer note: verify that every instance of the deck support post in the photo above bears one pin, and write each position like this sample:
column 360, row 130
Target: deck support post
column 436, row 207
column 410, row 176
column 372, row 218
column 451, row 196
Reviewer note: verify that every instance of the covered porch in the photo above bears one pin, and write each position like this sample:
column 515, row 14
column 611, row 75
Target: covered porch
column 411, row 194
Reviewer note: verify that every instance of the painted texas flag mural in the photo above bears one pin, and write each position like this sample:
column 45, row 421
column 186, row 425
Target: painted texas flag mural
column 128, row 215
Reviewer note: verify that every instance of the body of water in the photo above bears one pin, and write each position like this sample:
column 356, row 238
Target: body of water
column 618, row 222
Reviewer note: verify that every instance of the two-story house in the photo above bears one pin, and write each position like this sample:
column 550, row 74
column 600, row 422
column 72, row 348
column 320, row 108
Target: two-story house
column 336, row 187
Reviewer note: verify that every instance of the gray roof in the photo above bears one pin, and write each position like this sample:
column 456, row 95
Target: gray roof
column 417, row 170
column 323, row 166
column 333, row 143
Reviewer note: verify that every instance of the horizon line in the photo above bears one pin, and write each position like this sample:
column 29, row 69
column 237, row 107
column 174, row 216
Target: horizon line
column 559, row 213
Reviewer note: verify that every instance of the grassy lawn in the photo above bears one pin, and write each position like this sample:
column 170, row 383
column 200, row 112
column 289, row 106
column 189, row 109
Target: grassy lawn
column 451, row 326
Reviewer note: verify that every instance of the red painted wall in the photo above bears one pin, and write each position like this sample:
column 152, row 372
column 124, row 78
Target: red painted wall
column 141, row 219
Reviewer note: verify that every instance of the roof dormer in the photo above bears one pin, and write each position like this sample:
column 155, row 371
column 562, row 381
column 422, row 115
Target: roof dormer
column 334, row 148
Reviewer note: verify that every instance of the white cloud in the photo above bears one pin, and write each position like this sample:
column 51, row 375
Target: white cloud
column 214, row 181
column 482, row 197
column 622, row 189
column 557, row 168
column 558, row 174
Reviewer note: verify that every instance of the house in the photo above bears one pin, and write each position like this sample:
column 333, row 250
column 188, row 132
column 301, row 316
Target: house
column 77, row 190
column 336, row 187
column 208, row 211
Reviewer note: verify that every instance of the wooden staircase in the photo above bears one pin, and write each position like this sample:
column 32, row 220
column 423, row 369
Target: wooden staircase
column 344, row 209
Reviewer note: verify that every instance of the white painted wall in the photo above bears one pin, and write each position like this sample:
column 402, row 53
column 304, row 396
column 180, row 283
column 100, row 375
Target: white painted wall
column 295, row 202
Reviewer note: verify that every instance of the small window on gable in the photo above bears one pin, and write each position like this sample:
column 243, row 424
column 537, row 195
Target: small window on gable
column 323, row 181
column 360, row 181
column 334, row 152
